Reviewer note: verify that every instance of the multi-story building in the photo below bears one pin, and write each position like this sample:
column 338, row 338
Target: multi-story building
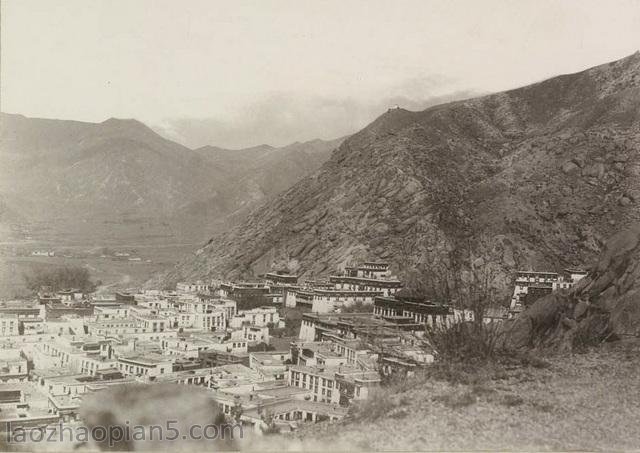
column 70, row 295
column 329, row 300
column 298, row 297
column 204, row 313
column 20, row 411
column 235, row 377
column 82, row 355
column 13, row 315
column 194, row 344
column 211, row 303
column 541, row 283
column 154, row 303
column 359, row 284
column 214, row 358
column 9, row 325
column 573, row 275
column 115, row 327
column 352, row 350
column 104, row 313
column 151, row 322
column 13, row 366
column 367, row 277
column 259, row 316
column 252, row 334
column 31, row 326
column 369, row 269
column 320, row 381
column 272, row 365
column 336, row 385
column 193, row 287
column 317, row 353
column 279, row 283
column 400, row 311
column 277, row 278
column 241, row 291
column 147, row 365
column 285, row 404
column 352, row 326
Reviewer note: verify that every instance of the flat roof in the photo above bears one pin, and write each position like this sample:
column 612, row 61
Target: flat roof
column 71, row 378
column 150, row 358
column 66, row 401
column 346, row 291
column 537, row 272
column 327, row 372
column 367, row 279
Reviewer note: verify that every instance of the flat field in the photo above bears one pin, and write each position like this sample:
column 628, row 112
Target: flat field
column 151, row 246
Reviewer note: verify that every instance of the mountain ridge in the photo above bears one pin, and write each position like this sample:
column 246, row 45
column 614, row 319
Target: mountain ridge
column 522, row 174
column 54, row 169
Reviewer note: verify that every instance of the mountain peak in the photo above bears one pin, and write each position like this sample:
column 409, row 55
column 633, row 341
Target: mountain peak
column 129, row 127
column 534, row 175
column 123, row 122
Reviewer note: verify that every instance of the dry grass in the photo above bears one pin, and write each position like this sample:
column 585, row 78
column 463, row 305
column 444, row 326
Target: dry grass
column 587, row 401
column 383, row 402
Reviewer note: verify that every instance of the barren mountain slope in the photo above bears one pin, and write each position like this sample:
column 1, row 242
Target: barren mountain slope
column 535, row 176
column 59, row 169
column 53, row 169
column 262, row 172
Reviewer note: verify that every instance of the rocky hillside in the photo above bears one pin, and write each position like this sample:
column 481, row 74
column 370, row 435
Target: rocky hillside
column 603, row 306
column 534, row 177
column 53, row 169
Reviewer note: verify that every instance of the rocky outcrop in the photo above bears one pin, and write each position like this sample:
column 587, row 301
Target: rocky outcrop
column 603, row 306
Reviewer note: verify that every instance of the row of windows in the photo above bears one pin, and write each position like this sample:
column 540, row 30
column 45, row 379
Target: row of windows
column 342, row 298
column 299, row 376
column 136, row 369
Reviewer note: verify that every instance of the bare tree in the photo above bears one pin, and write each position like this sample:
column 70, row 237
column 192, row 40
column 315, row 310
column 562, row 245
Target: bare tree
column 463, row 278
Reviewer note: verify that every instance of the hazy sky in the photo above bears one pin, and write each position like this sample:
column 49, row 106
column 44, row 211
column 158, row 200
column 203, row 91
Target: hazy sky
column 242, row 73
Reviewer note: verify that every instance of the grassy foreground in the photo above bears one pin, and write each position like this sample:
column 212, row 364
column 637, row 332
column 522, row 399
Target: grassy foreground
column 587, row 401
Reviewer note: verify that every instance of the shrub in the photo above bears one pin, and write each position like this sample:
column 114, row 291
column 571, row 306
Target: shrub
column 67, row 277
column 590, row 333
column 357, row 307
column 465, row 342
column 512, row 400
column 380, row 403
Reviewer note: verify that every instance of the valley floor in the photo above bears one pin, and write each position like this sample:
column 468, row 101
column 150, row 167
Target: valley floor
column 587, row 401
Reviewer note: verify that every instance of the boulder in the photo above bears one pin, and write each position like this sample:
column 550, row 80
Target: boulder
column 624, row 201
column 595, row 170
column 569, row 167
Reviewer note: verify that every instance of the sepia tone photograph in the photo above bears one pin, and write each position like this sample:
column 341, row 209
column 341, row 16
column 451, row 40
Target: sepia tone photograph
column 320, row 225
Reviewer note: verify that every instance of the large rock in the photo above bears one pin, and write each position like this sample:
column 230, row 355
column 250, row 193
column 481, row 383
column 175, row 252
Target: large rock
column 603, row 306
column 569, row 167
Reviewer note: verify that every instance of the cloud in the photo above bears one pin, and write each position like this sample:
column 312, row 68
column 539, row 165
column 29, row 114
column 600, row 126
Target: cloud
column 282, row 118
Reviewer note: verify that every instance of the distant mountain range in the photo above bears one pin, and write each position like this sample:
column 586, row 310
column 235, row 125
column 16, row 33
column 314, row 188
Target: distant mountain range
column 532, row 178
column 55, row 169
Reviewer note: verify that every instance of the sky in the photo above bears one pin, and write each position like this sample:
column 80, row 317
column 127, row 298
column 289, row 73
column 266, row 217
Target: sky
column 242, row 73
